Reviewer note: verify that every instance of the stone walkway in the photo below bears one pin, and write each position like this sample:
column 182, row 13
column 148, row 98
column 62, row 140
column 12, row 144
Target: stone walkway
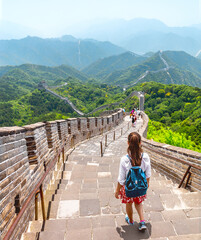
column 83, row 204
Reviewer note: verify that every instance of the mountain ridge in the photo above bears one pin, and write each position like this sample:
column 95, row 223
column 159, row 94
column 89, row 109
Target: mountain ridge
column 105, row 66
column 154, row 68
column 137, row 35
column 54, row 52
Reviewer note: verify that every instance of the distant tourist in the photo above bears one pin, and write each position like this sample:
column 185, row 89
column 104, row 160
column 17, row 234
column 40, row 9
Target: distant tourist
column 134, row 158
column 132, row 112
column 138, row 113
column 133, row 118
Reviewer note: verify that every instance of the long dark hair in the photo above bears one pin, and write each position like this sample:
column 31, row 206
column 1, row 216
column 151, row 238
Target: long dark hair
column 134, row 149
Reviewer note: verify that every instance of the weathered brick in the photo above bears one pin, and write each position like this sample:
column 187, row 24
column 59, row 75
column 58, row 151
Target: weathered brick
column 4, row 183
column 6, row 220
column 5, row 211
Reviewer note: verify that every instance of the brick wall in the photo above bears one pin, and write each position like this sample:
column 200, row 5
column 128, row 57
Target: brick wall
column 25, row 154
column 15, row 176
column 172, row 168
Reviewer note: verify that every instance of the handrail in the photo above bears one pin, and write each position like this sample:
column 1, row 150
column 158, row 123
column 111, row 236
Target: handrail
column 113, row 133
column 27, row 202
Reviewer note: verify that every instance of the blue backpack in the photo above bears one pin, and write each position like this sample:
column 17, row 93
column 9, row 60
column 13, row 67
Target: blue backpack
column 136, row 182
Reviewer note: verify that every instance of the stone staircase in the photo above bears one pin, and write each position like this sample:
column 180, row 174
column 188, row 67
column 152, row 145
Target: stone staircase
column 80, row 201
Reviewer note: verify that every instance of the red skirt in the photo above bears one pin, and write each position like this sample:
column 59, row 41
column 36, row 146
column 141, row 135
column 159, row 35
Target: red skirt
column 125, row 199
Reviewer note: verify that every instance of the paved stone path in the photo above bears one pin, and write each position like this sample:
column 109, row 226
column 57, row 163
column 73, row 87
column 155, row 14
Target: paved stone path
column 83, row 205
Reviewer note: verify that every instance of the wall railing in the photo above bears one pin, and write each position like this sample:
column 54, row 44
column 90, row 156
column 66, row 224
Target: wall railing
column 111, row 136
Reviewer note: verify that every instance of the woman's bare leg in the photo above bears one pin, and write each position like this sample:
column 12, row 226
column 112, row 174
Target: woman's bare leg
column 139, row 208
column 129, row 211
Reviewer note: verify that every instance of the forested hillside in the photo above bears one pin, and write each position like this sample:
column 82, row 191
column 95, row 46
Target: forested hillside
column 154, row 69
column 184, row 61
column 101, row 68
column 37, row 106
column 132, row 73
column 19, row 80
column 173, row 76
column 90, row 95
column 41, row 106
column 174, row 107
column 39, row 72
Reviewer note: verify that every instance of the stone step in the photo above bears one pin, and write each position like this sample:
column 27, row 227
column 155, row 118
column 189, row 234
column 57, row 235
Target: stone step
column 49, row 194
column 53, row 209
column 190, row 200
column 35, row 226
column 52, row 235
column 57, row 174
column 60, row 191
column 53, row 186
column 112, row 229
column 61, row 181
column 187, row 237
column 40, row 216
column 177, row 190
column 176, row 215
column 28, row 236
column 68, row 166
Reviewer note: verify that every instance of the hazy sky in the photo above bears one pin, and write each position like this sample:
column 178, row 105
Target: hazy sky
column 52, row 15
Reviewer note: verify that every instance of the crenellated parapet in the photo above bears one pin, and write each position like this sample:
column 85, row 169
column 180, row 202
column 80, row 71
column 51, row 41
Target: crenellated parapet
column 26, row 153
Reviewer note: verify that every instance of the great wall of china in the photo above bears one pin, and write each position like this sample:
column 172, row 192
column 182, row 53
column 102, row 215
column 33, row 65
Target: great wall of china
column 27, row 153
column 140, row 95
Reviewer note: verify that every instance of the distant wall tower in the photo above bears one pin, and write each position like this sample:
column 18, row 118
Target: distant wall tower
column 141, row 104
column 42, row 85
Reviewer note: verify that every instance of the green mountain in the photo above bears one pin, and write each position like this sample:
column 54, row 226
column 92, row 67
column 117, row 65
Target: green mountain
column 165, row 67
column 53, row 52
column 44, row 72
column 37, row 106
column 173, row 76
column 21, row 108
column 177, row 107
column 18, row 80
column 131, row 74
column 184, row 61
column 90, row 95
column 105, row 66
